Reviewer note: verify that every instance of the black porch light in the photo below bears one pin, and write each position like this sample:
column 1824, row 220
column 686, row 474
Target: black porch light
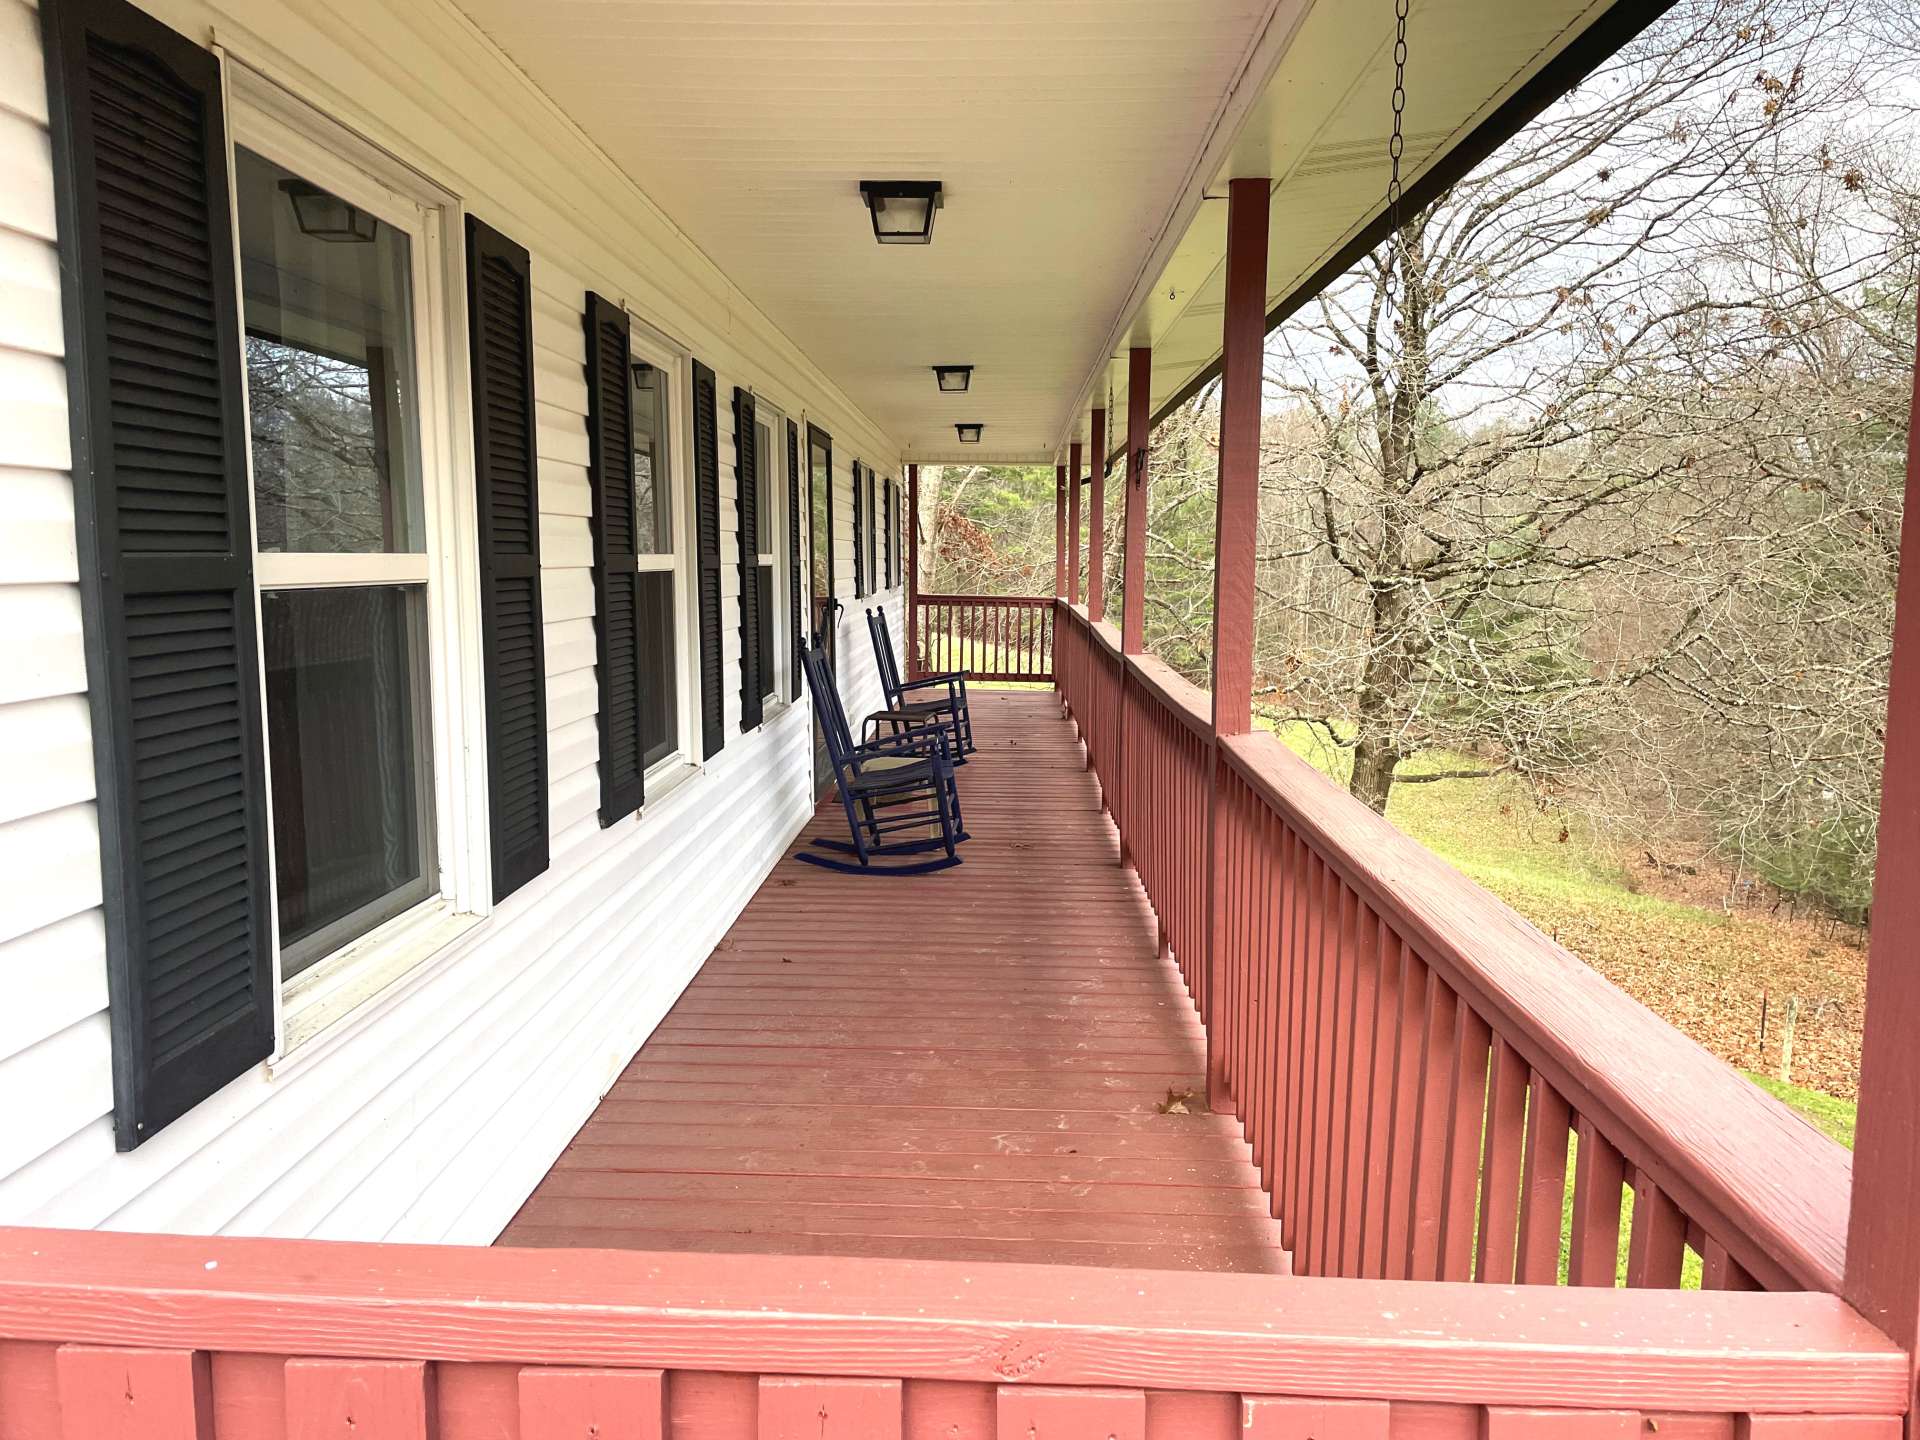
column 969, row 434
column 953, row 378
column 902, row 209
column 323, row 215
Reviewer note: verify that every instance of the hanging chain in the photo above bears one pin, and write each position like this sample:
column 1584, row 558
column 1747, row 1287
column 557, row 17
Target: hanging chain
column 1396, row 147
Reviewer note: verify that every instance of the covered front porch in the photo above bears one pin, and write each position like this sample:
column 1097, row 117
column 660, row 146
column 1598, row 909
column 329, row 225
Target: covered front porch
column 974, row 1065
column 1197, row 1102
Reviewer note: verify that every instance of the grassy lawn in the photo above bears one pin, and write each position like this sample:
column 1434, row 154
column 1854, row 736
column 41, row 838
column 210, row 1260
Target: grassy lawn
column 1701, row 967
column 1830, row 1114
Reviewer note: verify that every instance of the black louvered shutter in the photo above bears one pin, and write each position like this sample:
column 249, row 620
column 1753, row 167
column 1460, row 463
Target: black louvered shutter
column 887, row 531
column 793, row 552
column 616, row 542
column 859, row 544
column 746, row 469
column 706, row 504
column 505, row 463
column 166, row 547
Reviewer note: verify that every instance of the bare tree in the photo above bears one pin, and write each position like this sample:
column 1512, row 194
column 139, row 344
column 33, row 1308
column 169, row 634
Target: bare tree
column 1492, row 427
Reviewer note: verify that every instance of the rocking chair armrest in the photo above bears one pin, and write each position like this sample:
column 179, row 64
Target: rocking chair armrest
column 945, row 677
column 918, row 739
column 896, row 718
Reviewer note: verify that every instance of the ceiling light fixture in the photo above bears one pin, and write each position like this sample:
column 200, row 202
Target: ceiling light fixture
column 902, row 209
column 953, row 378
column 969, row 434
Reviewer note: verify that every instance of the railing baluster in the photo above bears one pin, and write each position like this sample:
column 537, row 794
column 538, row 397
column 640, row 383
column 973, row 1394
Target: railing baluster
column 1339, row 1091
column 1365, row 960
column 1465, row 1125
column 1599, row 1175
column 1379, row 1153
column 1430, row 1140
column 1719, row 1270
column 1312, row 961
column 1544, row 1197
column 1295, row 862
column 1500, row 1165
column 1268, row 962
column 1656, row 1250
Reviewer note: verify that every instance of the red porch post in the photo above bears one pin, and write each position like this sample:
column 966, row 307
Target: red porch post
column 1243, row 340
column 915, row 665
column 1883, row 1238
column 1096, row 522
column 1073, row 523
column 1060, row 530
column 1133, row 565
column 1133, row 548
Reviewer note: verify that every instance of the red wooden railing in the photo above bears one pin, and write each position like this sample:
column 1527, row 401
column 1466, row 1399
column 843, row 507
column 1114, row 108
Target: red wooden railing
column 1403, row 1052
column 1416, row 1068
column 993, row 637
column 140, row 1337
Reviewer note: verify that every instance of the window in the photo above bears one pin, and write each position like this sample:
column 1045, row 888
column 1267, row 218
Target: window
column 362, row 516
column 771, row 478
column 333, row 400
column 663, row 565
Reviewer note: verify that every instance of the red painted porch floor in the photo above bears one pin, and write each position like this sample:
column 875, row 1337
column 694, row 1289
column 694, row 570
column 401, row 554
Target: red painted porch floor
column 962, row 1066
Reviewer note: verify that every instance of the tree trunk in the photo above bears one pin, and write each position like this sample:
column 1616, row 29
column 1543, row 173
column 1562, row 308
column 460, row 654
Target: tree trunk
column 1373, row 766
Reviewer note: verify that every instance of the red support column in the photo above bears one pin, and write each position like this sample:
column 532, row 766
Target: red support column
column 1883, row 1241
column 1244, row 335
column 1133, row 548
column 1242, row 364
column 1096, row 522
column 916, row 665
column 1073, row 523
column 1060, row 530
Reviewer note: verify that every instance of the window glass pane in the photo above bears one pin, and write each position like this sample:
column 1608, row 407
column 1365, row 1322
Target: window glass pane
column 763, row 465
column 768, row 678
column 330, row 368
column 652, row 485
column 346, row 703
column 659, row 704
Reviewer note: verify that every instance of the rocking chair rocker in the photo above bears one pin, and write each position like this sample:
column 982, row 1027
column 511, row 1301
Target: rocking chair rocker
column 944, row 701
column 897, row 790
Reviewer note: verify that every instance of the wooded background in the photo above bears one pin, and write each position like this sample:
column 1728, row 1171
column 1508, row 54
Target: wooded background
column 1593, row 474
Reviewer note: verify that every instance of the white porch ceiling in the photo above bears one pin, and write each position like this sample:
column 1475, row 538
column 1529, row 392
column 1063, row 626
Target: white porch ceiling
column 1084, row 146
column 1061, row 130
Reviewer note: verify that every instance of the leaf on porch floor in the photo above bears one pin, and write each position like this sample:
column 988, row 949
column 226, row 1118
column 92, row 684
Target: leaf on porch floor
column 1175, row 1103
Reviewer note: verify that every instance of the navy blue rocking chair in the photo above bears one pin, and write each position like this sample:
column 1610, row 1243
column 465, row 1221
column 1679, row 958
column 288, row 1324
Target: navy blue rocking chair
column 897, row 789
column 939, row 700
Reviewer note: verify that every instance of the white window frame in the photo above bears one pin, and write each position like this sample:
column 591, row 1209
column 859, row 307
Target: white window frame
column 273, row 122
column 773, row 504
column 676, row 362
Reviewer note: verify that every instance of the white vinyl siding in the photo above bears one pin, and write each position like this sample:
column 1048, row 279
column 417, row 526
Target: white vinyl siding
column 55, row 1056
column 429, row 1113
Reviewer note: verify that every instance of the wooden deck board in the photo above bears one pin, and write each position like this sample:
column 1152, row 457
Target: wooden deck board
column 964, row 1065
